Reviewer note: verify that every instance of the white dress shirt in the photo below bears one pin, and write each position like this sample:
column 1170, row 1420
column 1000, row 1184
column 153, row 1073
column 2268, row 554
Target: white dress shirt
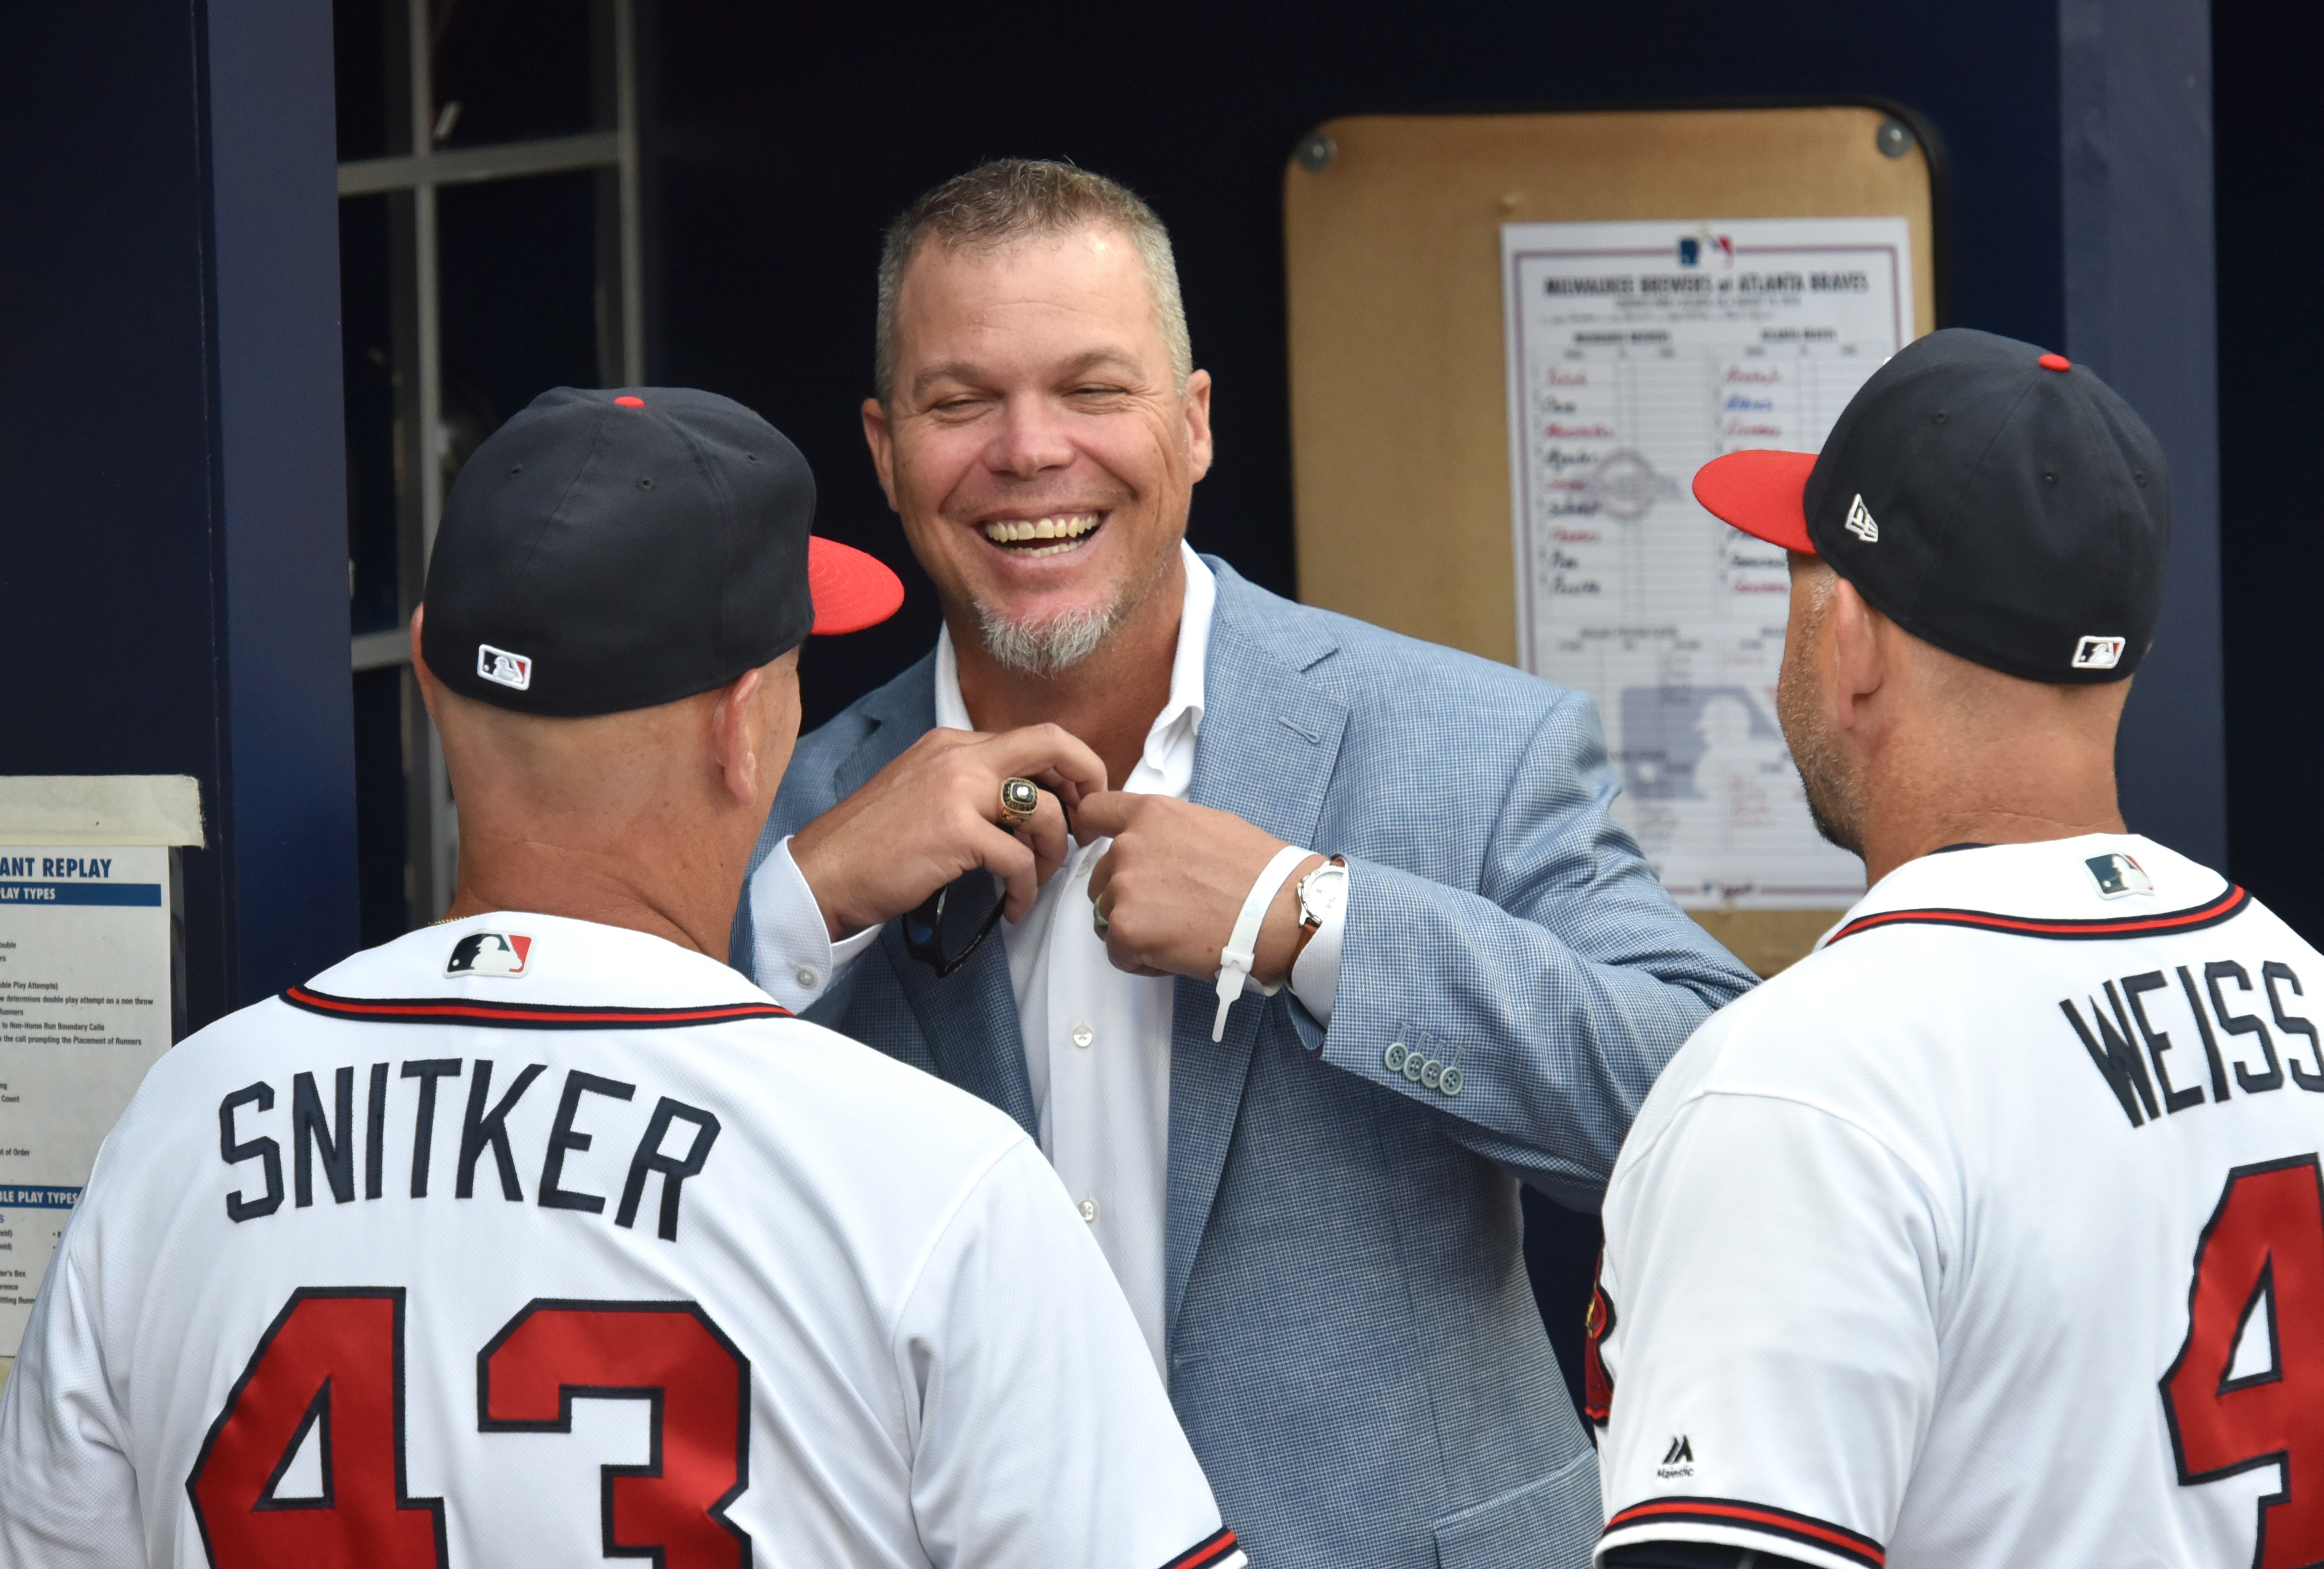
column 1097, row 1039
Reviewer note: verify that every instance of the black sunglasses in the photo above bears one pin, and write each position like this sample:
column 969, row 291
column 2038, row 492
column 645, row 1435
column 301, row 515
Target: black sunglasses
column 924, row 933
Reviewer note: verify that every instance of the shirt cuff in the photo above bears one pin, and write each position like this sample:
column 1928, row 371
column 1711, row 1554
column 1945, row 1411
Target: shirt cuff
column 792, row 956
column 1316, row 975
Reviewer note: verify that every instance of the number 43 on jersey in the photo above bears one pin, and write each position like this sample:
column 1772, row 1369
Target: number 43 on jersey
column 330, row 1366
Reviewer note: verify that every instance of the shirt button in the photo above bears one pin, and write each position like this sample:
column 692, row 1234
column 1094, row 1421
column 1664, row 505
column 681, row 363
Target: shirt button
column 1084, row 1035
column 1089, row 1211
column 805, row 975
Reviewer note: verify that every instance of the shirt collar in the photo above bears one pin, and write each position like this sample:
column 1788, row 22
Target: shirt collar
column 1184, row 704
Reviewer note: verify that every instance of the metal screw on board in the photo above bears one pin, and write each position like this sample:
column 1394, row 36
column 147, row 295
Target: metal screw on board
column 1895, row 138
column 1317, row 153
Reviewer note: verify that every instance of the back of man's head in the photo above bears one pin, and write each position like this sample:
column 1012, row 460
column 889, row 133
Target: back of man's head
column 1009, row 200
column 1977, row 558
column 607, row 642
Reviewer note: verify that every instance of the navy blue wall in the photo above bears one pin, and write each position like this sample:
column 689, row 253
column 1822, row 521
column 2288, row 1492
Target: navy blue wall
column 175, row 512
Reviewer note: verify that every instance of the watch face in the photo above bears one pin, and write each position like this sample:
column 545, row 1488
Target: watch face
column 1323, row 893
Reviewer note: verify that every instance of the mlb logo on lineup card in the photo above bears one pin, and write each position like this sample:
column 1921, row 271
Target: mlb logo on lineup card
column 500, row 665
column 490, row 953
column 2118, row 874
column 1861, row 523
column 2097, row 653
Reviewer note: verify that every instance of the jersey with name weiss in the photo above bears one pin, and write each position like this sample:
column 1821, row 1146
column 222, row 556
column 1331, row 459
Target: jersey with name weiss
column 523, row 1239
column 1990, row 1235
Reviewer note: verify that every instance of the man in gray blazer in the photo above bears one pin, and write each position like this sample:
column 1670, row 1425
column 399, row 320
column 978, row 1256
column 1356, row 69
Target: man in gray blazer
column 1351, row 948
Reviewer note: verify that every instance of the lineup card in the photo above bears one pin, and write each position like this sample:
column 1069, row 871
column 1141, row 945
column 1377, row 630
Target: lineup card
column 84, row 1012
column 1637, row 353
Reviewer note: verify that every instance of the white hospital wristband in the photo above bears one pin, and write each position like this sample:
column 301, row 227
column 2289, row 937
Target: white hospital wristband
column 1240, row 951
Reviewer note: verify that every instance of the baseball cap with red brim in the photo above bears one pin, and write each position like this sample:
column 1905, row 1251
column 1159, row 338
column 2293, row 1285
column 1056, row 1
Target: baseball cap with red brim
column 1998, row 501
column 606, row 551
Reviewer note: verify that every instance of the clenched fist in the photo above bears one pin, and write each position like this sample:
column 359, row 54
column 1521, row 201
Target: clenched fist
column 1173, row 880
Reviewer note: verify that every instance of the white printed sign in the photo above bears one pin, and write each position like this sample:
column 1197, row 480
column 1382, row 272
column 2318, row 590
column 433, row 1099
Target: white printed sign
column 85, row 1011
column 1638, row 352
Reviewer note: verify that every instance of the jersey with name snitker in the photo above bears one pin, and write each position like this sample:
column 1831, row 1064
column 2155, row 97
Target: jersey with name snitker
column 1988, row 1234
column 523, row 1239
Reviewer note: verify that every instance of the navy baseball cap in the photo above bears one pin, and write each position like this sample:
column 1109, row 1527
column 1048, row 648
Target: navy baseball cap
column 618, row 550
column 1996, row 500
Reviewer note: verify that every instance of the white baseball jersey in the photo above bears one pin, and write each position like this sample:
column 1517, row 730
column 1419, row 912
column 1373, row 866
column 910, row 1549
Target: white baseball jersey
column 527, row 1240
column 1990, row 1235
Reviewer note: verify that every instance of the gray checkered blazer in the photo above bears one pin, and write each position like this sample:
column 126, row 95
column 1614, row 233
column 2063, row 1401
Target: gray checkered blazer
column 1352, row 1342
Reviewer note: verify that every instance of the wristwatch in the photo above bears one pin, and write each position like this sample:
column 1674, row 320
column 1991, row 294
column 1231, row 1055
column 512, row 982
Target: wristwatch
column 1323, row 896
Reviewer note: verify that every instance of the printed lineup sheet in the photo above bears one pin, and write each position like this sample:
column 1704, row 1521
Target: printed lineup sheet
column 1638, row 352
column 85, row 1009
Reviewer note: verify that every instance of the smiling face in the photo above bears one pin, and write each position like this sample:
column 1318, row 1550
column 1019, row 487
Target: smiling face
column 1036, row 443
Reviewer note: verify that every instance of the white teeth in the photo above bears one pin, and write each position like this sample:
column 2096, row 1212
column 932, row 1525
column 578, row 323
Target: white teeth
column 1068, row 528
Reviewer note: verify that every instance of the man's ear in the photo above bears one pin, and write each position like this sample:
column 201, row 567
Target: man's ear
column 881, row 438
column 736, row 729
column 1198, row 421
column 426, row 677
column 1859, row 666
column 754, row 729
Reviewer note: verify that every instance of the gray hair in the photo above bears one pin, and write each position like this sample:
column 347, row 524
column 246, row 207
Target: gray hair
column 1004, row 200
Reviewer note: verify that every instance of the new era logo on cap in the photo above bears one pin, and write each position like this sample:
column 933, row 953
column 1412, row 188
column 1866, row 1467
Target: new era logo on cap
column 490, row 953
column 500, row 665
column 1861, row 523
column 2098, row 653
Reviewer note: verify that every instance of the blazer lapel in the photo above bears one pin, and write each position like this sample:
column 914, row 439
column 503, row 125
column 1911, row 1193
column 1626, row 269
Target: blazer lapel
column 1266, row 749
column 969, row 1018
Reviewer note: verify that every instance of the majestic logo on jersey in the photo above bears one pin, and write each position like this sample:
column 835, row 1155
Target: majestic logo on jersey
column 2098, row 653
column 490, row 953
column 2118, row 875
column 500, row 665
column 1861, row 523
column 1678, row 1460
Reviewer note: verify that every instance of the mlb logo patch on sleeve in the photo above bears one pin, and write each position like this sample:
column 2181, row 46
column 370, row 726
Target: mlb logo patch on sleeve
column 490, row 953
column 500, row 665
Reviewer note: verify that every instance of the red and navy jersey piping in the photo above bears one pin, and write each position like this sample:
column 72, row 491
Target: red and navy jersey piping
column 1215, row 1548
column 1785, row 1525
column 2210, row 913
column 499, row 1015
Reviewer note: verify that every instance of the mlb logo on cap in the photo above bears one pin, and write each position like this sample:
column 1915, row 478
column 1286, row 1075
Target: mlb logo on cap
column 490, row 953
column 500, row 665
column 2098, row 653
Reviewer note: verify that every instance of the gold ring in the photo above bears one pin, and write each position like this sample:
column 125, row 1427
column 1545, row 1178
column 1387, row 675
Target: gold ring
column 1020, row 799
column 1098, row 917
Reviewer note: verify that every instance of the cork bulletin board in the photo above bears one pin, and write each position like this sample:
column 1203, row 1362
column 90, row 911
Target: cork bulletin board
column 1401, row 460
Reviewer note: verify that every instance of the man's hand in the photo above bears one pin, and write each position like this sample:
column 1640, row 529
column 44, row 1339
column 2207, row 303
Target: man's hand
column 1174, row 880
column 930, row 815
